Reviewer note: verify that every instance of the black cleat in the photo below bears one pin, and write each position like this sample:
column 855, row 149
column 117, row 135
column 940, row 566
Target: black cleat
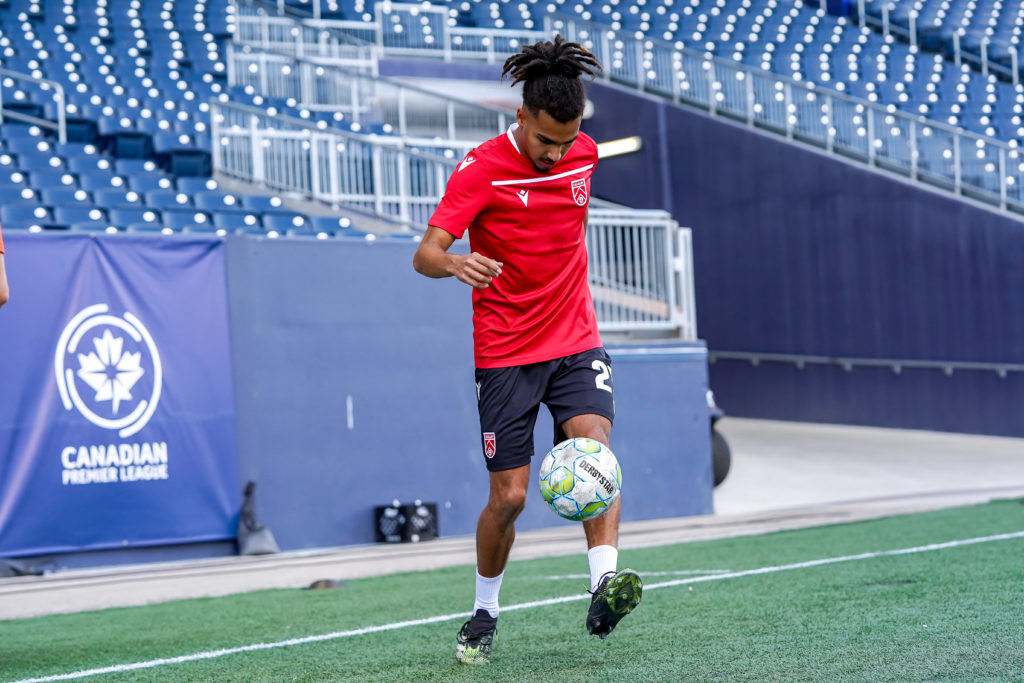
column 476, row 638
column 617, row 595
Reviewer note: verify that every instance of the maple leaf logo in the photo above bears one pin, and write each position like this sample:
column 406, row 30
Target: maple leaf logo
column 109, row 371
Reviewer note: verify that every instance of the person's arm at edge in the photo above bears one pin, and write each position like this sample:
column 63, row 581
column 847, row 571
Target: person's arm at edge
column 5, row 292
column 433, row 260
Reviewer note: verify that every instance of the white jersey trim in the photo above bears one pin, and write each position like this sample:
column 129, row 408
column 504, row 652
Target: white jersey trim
column 543, row 179
column 511, row 138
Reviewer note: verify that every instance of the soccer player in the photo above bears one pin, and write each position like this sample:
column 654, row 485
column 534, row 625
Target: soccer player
column 523, row 198
column 5, row 293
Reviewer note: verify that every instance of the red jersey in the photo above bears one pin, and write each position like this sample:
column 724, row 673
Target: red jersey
column 540, row 307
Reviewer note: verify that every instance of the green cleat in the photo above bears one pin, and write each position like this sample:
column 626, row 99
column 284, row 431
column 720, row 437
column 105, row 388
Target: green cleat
column 617, row 595
column 475, row 639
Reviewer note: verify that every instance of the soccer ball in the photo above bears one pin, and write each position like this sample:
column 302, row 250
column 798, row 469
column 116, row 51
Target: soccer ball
column 580, row 479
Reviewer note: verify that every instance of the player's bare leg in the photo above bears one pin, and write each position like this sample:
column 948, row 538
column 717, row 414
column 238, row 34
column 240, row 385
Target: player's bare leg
column 496, row 529
column 495, row 532
column 616, row 593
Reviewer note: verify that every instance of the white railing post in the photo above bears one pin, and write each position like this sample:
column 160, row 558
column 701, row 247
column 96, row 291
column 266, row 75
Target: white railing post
column 860, row 13
column 885, row 18
column 830, row 130
column 913, row 149
column 1002, row 178
column 316, row 187
column 333, row 169
column 232, row 75
column 378, row 180
column 640, row 74
column 788, row 103
column 261, row 64
column 258, row 171
column 403, row 169
column 354, row 89
column 984, row 56
column 403, row 128
column 62, row 120
column 956, row 47
column 957, row 170
column 748, row 76
column 913, row 28
column 1013, row 65
column 712, row 102
column 446, row 37
column 870, row 113
column 450, row 112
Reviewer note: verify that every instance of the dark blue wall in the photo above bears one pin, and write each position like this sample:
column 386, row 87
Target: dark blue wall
column 798, row 252
column 354, row 386
column 316, row 322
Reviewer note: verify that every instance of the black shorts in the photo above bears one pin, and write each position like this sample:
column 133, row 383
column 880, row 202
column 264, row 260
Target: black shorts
column 509, row 398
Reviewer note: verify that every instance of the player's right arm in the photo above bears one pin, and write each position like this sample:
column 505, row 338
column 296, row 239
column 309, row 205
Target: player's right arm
column 433, row 260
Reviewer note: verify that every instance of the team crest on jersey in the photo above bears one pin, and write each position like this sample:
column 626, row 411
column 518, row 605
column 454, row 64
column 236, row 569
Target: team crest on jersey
column 579, row 191
column 490, row 444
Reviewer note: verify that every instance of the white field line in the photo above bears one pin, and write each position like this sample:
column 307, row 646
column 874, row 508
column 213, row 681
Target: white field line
column 212, row 654
column 646, row 574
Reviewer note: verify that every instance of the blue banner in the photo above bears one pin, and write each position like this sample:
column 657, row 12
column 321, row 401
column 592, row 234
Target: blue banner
column 116, row 399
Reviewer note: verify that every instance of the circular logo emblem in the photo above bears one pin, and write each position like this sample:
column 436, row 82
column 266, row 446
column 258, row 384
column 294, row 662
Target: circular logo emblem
column 108, row 369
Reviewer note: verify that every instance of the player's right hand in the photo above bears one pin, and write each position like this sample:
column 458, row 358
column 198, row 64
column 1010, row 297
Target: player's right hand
column 477, row 270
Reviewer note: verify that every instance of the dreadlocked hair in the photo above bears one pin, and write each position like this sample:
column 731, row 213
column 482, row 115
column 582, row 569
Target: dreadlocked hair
column 550, row 73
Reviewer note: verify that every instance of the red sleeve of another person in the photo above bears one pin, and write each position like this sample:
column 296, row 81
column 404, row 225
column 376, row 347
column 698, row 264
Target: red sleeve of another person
column 465, row 197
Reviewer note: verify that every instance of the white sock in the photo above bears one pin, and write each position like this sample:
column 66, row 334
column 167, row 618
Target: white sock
column 603, row 559
column 487, row 594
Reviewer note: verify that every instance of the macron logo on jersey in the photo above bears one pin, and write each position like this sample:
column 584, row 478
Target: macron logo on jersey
column 524, row 195
column 466, row 162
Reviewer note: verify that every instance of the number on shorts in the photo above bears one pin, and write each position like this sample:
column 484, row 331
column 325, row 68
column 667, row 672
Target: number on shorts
column 603, row 373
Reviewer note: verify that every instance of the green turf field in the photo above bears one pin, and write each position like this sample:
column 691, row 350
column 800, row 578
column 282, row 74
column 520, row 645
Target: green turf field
column 757, row 608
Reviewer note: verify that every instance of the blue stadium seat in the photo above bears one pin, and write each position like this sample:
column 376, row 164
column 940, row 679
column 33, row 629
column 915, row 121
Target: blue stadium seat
column 54, row 196
column 145, row 182
column 185, row 218
column 24, row 213
column 150, row 228
column 163, row 199
column 214, row 200
column 196, row 185
column 53, row 178
column 128, row 215
column 13, row 193
column 236, row 219
column 89, row 162
column 128, row 167
column 78, row 213
column 112, row 197
column 99, row 180
column 331, row 225
column 261, row 202
column 39, row 161
column 283, row 221
column 93, row 226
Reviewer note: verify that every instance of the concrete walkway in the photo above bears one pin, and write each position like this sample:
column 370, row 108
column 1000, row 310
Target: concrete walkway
column 784, row 476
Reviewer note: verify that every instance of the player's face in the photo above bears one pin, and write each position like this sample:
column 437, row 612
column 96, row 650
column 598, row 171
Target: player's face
column 543, row 139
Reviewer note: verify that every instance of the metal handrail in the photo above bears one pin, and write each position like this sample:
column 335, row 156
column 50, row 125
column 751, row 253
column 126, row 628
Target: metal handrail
column 641, row 262
column 453, row 41
column 60, row 125
column 790, row 94
column 308, row 78
column 897, row 365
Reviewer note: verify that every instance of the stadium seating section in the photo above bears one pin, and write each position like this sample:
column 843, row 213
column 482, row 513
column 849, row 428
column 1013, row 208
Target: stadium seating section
column 139, row 74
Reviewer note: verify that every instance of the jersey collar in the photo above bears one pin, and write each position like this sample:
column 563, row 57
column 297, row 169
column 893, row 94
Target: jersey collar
column 512, row 138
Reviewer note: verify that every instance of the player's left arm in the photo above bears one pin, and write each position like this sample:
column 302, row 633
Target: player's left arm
column 5, row 292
